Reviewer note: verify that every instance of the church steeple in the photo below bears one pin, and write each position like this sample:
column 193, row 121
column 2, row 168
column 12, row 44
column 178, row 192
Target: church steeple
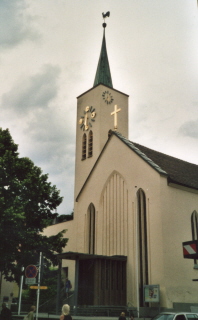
column 103, row 74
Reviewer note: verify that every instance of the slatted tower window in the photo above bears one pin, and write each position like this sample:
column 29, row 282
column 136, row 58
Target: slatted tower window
column 84, row 146
column 90, row 144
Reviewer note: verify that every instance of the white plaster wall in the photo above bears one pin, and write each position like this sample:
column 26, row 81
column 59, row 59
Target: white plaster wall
column 8, row 289
column 168, row 222
column 69, row 226
column 136, row 173
column 168, row 219
column 103, row 123
column 176, row 221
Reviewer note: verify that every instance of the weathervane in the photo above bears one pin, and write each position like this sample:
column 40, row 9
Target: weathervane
column 104, row 15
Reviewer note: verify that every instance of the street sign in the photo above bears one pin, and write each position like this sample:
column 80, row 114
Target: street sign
column 190, row 249
column 37, row 287
column 31, row 271
column 30, row 280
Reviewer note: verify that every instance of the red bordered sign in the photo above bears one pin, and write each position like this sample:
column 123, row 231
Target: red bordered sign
column 190, row 249
column 31, row 271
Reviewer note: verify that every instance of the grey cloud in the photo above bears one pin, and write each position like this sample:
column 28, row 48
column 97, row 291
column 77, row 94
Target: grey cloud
column 57, row 158
column 34, row 92
column 49, row 126
column 142, row 113
column 14, row 25
column 190, row 129
column 52, row 140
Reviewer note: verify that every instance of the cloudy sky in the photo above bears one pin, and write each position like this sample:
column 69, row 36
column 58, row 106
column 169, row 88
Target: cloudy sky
column 49, row 51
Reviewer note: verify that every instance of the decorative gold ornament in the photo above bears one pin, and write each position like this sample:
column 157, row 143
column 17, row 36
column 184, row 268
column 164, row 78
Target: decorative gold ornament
column 115, row 114
column 88, row 118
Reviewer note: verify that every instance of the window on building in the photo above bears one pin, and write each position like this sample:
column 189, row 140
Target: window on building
column 194, row 227
column 91, row 229
column 84, row 146
column 90, row 144
column 142, row 243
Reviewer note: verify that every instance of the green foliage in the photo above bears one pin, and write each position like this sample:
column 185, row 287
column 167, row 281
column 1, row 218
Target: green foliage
column 47, row 296
column 64, row 217
column 27, row 205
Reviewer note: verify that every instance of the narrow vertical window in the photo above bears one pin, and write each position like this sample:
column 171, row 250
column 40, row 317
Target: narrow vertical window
column 84, row 146
column 142, row 240
column 194, row 227
column 91, row 229
column 90, row 144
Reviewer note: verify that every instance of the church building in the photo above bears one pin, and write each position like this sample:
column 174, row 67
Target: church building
column 133, row 209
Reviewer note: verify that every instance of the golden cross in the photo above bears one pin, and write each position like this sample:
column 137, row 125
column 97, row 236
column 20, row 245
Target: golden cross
column 115, row 116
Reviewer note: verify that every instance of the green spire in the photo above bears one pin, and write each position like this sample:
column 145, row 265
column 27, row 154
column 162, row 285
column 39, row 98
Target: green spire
column 103, row 74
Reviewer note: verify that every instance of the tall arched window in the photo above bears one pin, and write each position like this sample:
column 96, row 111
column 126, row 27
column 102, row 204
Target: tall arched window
column 194, row 227
column 84, row 146
column 91, row 229
column 142, row 244
column 90, row 144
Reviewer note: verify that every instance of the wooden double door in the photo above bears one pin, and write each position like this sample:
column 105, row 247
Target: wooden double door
column 102, row 282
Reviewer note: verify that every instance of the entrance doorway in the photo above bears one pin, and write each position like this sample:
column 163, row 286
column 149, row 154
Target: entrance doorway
column 102, row 282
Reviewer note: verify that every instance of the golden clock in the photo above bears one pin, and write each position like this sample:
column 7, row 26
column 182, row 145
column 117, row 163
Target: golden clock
column 87, row 120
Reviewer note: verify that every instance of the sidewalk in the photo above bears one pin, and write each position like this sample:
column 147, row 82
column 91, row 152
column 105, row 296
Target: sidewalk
column 54, row 316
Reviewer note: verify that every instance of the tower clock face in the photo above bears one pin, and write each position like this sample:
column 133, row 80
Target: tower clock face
column 107, row 96
column 86, row 121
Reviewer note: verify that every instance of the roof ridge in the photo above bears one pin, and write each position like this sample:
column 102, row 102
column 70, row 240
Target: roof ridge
column 165, row 154
column 131, row 145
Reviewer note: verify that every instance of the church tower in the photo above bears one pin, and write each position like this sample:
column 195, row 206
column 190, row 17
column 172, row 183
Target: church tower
column 99, row 110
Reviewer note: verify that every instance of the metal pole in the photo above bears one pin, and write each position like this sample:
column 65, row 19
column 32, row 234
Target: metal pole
column 39, row 283
column 20, row 293
column 76, row 286
column 137, row 253
column 58, row 286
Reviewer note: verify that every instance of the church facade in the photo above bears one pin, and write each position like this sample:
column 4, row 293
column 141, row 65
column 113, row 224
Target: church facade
column 133, row 208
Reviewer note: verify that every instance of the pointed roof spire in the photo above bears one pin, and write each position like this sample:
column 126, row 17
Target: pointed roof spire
column 103, row 74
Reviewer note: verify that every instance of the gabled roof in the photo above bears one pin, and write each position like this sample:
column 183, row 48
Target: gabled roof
column 144, row 156
column 106, row 87
column 103, row 74
column 177, row 171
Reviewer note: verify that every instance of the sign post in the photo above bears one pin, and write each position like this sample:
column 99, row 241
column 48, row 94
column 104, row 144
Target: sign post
column 20, row 293
column 37, row 287
column 39, row 283
column 31, row 271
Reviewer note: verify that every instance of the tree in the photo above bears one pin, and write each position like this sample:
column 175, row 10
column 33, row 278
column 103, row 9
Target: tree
column 64, row 217
column 27, row 205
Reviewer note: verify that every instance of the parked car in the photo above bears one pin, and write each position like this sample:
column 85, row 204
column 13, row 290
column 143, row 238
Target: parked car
column 176, row 316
